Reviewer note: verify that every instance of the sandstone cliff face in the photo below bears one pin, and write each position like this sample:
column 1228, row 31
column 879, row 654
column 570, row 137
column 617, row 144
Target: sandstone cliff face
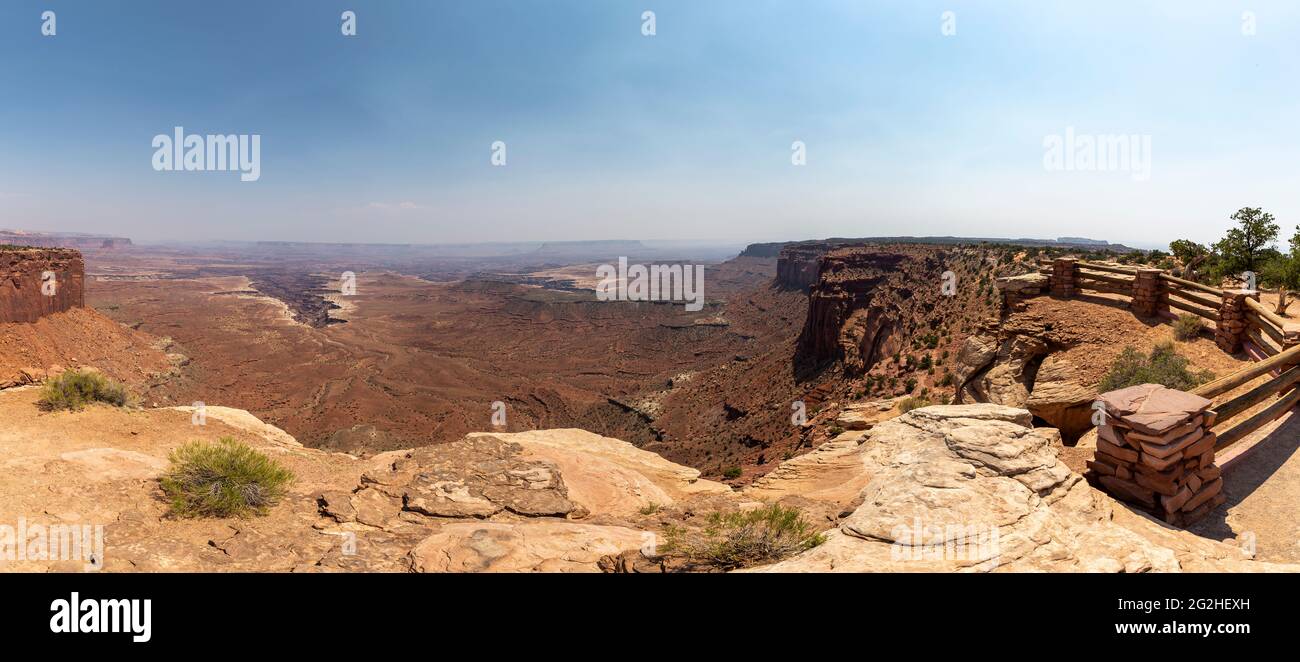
column 849, row 313
column 798, row 266
column 22, row 275
column 871, row 302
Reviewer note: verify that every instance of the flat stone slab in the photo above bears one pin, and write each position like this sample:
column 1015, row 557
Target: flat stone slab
column 1153, row 409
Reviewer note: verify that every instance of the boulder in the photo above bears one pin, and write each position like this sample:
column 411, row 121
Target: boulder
column 974, row 488
column 1058, row 398
column 1024, row 284
column 864, row 415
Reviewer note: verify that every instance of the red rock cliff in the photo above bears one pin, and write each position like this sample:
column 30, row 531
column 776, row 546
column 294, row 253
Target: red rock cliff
column 870, row 302
column 35, row 282
column 797, row 266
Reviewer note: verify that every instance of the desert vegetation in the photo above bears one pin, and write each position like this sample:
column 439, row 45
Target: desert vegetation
column 223, row 479
column 1163, row 366
column 1248, row 246
column 908, row 404
column 1187, row 326
column 72, row 390
column 740, row 539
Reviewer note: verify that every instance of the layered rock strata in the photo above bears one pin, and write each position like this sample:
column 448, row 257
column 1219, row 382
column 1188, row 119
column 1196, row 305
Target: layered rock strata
column 35, row 282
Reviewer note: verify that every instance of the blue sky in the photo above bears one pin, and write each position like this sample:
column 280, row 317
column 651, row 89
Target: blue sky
column 386, row 136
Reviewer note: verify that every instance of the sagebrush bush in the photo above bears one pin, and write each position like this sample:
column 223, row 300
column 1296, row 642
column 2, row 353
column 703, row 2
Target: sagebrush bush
column 908, row 404
column 1187, row 326
column 223, row 479
column 1163, row 366
column 74, row 389
column 743, row 538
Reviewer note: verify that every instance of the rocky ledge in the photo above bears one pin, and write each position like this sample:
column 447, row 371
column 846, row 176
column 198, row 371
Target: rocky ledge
column 975, row 488
column 969, row 487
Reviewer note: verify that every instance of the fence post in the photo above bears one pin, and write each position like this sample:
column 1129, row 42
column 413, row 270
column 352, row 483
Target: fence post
column 1063, row 269
column 1155, row 449
column 1146, row 293
column 1231, row 328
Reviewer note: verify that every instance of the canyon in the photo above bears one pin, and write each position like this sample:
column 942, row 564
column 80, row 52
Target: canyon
column 628, row 417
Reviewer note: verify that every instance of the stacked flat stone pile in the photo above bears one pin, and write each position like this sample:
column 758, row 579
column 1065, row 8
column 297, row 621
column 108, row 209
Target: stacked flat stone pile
column 1146, row 292
column 1063, row 270
column 1231, row 326
column 1156, row 451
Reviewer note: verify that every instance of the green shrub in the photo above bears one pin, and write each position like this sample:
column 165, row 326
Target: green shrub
column 1187, row 326
column 743, row 538
column 223, row 479
column 908, row 404
column 650, row 508
column 1163, row 366
column 74, row 389
column 732, row 473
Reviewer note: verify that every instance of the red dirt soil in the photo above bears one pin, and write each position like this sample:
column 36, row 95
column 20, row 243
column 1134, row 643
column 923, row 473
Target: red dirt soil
column 75, row 338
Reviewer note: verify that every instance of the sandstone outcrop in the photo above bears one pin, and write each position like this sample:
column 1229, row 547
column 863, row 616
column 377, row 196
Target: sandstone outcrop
column 974, row 478
column 865, row 415
column 1019, row 363
column 35, row 282
column 974, row 488
column 1004, row 376
column 1060, row 399
column 541, row 546
column 553, row 500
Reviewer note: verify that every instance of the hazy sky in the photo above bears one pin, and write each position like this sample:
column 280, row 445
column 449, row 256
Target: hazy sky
column 687, row 134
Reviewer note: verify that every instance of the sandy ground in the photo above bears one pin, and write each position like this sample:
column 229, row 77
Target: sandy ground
column 1263, row 489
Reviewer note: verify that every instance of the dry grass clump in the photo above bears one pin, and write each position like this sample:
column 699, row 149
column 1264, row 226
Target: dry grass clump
column 223, row 479
column 74, row 389
column 1187, row 326
column 742, row 539
column 908, row 404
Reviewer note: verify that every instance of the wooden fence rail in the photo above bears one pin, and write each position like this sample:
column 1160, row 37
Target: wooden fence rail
column 1191, row 284
column 1127, row 271
column 1266, row 335
column 1081, row 274
column 1224, row 384
column 1196, row 298
column 1258, row 394
column 1274, row 411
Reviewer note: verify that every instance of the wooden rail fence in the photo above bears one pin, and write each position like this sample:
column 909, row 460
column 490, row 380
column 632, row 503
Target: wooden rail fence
column 1240, row 322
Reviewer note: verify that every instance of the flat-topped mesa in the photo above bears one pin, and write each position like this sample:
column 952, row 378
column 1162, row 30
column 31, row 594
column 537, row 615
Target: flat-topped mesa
column 35, row 282
column 75, row 240
column 797, row 266
column 1156, row 450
